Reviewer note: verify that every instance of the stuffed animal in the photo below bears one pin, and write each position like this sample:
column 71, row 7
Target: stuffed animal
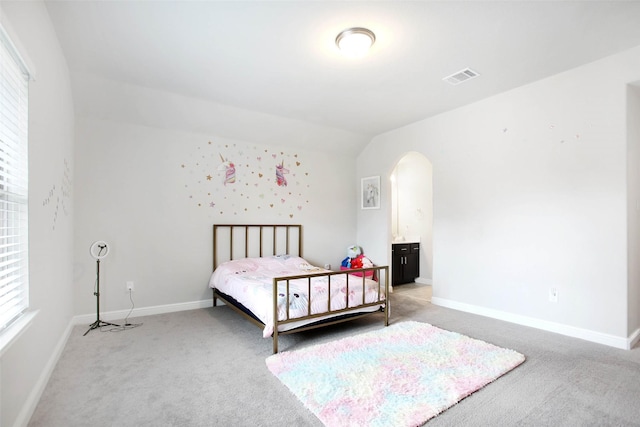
column 353, row 251
column 357, row 262
column 297, row 301
column 361, row 261
column 356, row 259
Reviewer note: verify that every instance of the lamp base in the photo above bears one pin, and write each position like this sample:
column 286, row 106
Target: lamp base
column 98, row 323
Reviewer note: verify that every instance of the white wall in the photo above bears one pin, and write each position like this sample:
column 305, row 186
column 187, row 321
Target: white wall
column 145, row 190
column 633, row 207
column 27, row 363
column 529, row 194
column 102, row 98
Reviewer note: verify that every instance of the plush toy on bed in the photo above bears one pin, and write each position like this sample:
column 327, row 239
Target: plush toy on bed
column 297, row 301
column 356, row 259
column 353, row 251
column 361, row 261
column 357, row 262
column 366, row 262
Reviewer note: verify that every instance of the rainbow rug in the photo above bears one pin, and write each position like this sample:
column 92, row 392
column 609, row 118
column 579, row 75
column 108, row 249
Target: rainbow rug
column 401, row 375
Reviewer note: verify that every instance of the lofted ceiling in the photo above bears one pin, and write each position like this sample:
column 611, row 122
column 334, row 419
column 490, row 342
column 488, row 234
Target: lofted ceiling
column 279, row 57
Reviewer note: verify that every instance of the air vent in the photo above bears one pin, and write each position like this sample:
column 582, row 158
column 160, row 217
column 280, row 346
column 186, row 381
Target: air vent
column 461, row 76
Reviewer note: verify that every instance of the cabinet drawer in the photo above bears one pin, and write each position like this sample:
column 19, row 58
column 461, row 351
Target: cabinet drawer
column 405, row 248
column 401, row 248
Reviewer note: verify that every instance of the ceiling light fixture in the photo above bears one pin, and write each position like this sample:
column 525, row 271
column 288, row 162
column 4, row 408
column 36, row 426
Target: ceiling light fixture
column 355, row 42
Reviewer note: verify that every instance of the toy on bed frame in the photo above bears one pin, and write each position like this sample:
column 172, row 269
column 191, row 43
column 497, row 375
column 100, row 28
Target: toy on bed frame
column 238, row 241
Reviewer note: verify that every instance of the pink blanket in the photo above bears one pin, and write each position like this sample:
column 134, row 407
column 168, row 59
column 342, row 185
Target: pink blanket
column 250, row 282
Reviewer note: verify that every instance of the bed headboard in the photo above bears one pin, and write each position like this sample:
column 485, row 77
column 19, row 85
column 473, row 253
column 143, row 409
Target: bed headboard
column 233, row 241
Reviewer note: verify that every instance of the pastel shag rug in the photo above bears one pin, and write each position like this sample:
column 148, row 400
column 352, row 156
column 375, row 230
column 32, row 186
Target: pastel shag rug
column 401, row 375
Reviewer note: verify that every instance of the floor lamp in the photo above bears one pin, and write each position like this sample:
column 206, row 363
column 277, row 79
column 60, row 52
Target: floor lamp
column 98, row 250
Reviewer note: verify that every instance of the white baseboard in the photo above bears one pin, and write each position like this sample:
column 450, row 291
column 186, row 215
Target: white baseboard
column 424, row 281
column 571, row 331
column 143, row 311
column 22, row 420
column 633, row 339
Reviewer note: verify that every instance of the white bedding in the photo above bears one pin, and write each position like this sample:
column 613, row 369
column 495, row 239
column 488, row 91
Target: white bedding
column 249, row 281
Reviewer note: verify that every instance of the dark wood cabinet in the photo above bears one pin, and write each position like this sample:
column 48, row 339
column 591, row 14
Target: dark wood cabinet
column 405, row 262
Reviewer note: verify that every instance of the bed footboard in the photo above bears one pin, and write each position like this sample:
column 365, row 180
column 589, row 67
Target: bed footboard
column 351, row 310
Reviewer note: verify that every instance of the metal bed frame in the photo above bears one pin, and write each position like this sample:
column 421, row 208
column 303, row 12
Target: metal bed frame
column 270, row 239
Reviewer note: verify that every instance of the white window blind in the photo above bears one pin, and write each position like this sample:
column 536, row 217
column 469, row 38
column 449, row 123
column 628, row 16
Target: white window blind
column 14, row 255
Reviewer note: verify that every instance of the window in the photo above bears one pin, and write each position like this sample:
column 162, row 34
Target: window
column 14, row 255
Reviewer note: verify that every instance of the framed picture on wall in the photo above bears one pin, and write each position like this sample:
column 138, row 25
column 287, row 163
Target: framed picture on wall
column 370, row 193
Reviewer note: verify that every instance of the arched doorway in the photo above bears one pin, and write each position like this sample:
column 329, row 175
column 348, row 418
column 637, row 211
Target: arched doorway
column 412, row 209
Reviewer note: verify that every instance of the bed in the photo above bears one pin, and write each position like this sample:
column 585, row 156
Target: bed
column 259, row 270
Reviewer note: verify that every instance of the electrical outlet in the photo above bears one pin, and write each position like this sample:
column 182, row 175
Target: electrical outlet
column 553, row 295
column 130, row 286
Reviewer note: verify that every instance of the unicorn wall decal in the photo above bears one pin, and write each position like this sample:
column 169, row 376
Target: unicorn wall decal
column 280, row 171
column 230, row 170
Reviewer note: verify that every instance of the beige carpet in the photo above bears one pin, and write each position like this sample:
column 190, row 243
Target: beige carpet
column 207, row 368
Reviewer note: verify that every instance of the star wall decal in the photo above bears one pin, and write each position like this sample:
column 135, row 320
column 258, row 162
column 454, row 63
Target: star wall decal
column 256, row 179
